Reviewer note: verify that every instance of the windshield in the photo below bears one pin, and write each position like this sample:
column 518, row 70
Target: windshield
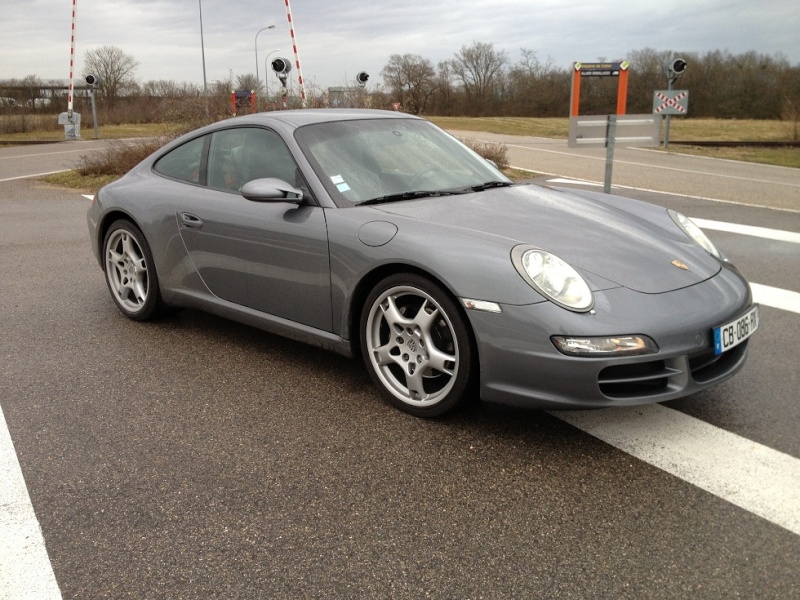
column 391, row 159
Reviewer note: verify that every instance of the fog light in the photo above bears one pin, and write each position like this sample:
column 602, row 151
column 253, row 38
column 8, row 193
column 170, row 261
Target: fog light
column 624, row 345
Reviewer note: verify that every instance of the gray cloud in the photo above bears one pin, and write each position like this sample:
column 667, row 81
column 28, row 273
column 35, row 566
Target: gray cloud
column 337, row 39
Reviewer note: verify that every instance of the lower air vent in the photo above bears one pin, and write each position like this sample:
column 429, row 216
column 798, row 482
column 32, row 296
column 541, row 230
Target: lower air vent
column 707, row 367
column 638, row 379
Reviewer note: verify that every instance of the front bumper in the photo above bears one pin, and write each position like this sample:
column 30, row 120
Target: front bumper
column 521, row 367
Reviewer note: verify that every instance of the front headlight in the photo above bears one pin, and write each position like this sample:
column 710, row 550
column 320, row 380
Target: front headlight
column 694, row 232
column 553, row 277
column 620, row 345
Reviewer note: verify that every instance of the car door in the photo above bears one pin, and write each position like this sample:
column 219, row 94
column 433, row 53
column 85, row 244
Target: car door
column 267, row 256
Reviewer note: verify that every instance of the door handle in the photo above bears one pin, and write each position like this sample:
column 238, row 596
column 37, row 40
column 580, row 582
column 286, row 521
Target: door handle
column 190, row 220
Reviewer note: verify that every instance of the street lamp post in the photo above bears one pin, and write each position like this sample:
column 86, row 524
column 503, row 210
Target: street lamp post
column 266, row 73
column 256, row 45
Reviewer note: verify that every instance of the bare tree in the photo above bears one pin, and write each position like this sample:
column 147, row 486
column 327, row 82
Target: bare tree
column 34, row 94
column 648, row 74
column 531, row 85
column 248, row 82
column 115, row 69
column 478, row 67
column 411, row 79
column 168, row 88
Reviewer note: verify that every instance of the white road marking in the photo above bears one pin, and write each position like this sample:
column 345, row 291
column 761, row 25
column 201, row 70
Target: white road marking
column 776, row 298
column 572, row 181
column 39, row 154
column 762, row 232
column 754, row 477
column 652, row 166
column 34, row 175
column 641, row 189
column 25, row 569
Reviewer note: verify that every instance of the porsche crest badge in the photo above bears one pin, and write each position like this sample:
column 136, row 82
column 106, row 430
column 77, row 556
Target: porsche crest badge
column 680, row 265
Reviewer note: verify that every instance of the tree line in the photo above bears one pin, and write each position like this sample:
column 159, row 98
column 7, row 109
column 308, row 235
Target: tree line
column 478, row 80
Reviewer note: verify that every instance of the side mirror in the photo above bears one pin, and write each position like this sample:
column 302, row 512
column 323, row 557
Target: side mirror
column 271, row 190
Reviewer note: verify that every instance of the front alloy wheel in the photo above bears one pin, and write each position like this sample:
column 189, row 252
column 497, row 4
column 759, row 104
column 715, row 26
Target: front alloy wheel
column 416, row 345
column 130, row 273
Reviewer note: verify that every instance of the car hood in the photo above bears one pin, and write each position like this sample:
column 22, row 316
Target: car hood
column 625, row 242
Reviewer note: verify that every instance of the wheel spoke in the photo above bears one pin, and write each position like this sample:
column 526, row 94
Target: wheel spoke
column 130, row 248
column 139, row 290
column 415, row 383
column 383, row 355
column 114, row 256
column 392, row 313
column 441, row 361
column 140, row 266
column 425, row 319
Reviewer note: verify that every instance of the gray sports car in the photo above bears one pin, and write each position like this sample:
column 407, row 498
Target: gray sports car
column 377, row 234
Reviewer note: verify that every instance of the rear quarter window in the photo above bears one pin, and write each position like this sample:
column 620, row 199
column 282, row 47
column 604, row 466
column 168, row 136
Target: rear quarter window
column 184, row 162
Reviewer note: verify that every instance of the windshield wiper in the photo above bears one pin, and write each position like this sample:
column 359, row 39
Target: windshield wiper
column 489, row 185
column 411, row 196
column 433, row 193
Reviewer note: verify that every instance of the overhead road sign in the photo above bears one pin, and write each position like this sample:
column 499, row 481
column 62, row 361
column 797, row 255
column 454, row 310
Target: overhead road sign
column 602, row 69
column 599, row 69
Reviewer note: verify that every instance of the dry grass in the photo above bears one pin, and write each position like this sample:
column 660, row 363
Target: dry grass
column 120, row 157
column 76, row 181
column 681, row 130
column 729, row 130
column 744, row 130
column 497, row 153
column 782, row 157
column 552, row 128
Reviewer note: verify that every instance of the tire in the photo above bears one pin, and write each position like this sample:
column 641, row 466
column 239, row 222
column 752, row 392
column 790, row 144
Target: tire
column 130, row 271
column 416, row 345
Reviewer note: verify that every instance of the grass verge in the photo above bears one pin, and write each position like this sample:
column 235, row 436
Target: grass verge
column 681, row 130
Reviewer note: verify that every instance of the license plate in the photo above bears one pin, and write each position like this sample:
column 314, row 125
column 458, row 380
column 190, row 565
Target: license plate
column 734, row 333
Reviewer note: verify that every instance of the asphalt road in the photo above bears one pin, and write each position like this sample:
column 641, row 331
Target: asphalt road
column 196, row 458
column 649, row 169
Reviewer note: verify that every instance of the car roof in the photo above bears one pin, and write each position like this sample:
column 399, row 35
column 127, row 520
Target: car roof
column 306, row 116
column 282, row 120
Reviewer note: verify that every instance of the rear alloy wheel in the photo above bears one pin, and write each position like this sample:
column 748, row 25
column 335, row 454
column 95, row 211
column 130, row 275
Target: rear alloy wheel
column 130, row 272
column 416, row 345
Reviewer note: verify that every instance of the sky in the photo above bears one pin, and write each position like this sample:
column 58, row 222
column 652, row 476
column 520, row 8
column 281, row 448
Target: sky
column 337, row 39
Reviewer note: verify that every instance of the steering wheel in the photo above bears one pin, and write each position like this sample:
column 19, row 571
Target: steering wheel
column 419, row 176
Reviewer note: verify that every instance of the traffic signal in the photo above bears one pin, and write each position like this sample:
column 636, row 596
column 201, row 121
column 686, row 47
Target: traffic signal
column 362, row 78
column 93, row 80
column 281, row 66
column 677, row 66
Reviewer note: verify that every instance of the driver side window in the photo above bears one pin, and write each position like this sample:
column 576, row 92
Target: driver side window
column 239, row 155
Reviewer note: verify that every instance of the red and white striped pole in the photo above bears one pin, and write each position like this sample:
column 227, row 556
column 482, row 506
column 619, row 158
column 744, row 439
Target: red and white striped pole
column 296, row 55
column 72, row 59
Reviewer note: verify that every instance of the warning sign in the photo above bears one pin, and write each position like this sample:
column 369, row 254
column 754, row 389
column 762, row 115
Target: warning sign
column 671, row 102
